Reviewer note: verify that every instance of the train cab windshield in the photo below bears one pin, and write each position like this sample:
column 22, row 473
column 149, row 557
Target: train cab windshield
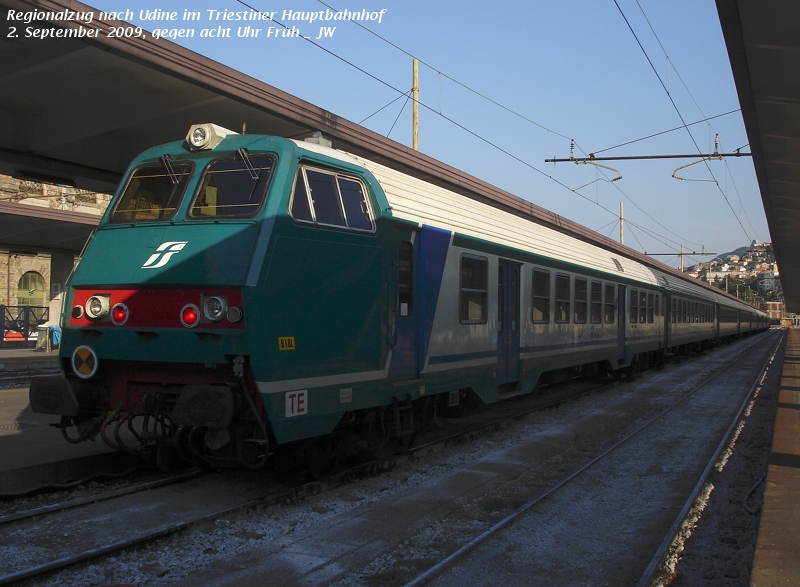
column 153, row 192
column 233, row 187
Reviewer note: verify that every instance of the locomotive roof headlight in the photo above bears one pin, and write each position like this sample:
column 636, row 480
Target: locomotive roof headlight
column 120, row 314
column 206, row 136
column 215, row 308
column 190, row 315
column 97, row 306
column 234, row 314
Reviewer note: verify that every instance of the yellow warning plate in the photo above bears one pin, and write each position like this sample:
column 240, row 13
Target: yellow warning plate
column 286, row 343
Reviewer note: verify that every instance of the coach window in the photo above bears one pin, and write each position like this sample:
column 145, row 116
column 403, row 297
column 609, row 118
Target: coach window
column 562, row 298
column 405, row 278
column 580, row 300
column 234, row 187
column 650, row 307
column 609, row 303
column 642, row 306
column 674, row 311
column 633, row 314
column 657, row 310
column 474, row 280
column 541, row 296
column 326, row 198
column 153, row 192
column 596, row 313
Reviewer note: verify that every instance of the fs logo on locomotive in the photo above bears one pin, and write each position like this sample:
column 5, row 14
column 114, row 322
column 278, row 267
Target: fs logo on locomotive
column 163, row 254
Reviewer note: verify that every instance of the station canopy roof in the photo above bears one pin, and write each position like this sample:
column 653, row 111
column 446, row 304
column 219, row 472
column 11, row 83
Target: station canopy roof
column 763, row 40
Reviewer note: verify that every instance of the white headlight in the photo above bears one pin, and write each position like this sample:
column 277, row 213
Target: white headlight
column 97, row 307
column 199, row 136
column 215, row 308
column 206, row 136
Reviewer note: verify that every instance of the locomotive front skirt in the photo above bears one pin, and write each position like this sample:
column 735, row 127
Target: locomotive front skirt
column 246, row 291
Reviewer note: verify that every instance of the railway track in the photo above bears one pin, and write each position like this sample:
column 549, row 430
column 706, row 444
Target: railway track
column 38, row 513
column 23, row 377
column 230, row 500
column 81, row 547
column 450, row 570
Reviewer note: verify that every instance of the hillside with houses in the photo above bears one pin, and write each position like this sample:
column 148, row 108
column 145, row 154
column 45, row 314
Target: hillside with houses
column 749, row 273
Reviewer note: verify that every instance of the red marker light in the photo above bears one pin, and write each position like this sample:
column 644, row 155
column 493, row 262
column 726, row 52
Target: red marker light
column 119, row 314
column 190, row 315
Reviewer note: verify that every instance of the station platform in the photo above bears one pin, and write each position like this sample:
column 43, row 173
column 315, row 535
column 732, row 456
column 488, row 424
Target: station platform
column 777, row 557
column 27, row 359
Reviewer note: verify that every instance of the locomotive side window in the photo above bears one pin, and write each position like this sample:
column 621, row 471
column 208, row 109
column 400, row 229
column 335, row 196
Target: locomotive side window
column 405, row 278
column 234, row 187
column 597, row 302
column 609, row 304
column 562, row 298
column 153, row 193
column 474, row 281
column 355, row 205
column 633, row 313
column 327, row 198
column 301, row 209
column 541, row 295
column 580, row 300
column 324, row 198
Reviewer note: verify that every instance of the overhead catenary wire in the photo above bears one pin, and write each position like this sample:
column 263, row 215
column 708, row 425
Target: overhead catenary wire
column 663, row 132
column 382, row 108
column 688, row 91
column 461, row 126
column 515, row 113
column 678, row 112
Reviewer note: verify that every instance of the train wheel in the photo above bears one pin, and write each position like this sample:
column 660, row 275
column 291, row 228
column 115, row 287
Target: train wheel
column 252, row 449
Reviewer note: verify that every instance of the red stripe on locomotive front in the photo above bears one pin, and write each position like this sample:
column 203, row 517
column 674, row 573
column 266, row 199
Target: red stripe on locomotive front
column 157, row 308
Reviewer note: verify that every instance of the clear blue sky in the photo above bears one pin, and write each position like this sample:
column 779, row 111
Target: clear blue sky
column 573, row 68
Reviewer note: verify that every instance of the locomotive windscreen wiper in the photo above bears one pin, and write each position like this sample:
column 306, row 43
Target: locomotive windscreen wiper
column 247, row 163
column 165, row 161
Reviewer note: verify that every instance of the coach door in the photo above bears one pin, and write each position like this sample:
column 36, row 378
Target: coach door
column 622, row 309
column 405, row 343
column 667, row 312
column 507, row 322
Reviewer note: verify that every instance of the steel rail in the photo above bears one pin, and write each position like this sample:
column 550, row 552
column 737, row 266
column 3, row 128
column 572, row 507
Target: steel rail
column 658, row 558
column 449, row 561
column 60, row 507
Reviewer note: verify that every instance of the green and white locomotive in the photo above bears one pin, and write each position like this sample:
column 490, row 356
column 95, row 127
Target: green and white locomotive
column 247, row 291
